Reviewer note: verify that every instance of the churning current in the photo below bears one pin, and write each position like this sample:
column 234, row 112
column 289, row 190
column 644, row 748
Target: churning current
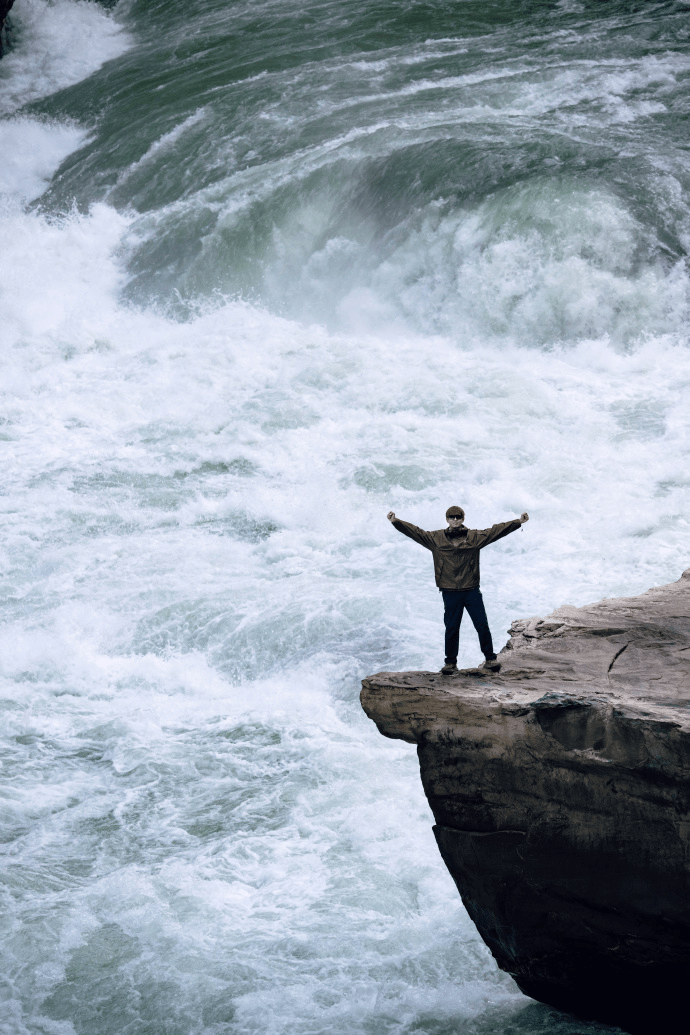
column 269, row 270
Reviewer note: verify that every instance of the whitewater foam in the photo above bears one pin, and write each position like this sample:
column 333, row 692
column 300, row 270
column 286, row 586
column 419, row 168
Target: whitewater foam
column 202, row 832
column 32, row 151
column 54, row 45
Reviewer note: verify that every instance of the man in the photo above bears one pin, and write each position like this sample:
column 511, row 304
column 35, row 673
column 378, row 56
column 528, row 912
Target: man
column 456, row 565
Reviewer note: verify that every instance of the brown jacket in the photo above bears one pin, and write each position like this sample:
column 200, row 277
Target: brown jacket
column 456, row 559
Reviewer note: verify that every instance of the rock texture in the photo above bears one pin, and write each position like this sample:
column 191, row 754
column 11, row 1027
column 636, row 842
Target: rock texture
column 561, row 793
column 5, row 6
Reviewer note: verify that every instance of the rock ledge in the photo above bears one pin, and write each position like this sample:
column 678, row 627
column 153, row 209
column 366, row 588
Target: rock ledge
column 561, row 793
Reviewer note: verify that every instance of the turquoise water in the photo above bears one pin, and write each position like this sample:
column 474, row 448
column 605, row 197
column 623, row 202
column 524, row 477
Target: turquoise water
column 268, row 271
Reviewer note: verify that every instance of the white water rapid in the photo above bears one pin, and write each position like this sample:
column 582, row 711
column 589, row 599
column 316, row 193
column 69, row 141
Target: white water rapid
column 202, row 833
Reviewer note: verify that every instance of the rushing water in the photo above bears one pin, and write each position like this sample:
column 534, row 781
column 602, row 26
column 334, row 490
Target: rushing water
column 269, row 269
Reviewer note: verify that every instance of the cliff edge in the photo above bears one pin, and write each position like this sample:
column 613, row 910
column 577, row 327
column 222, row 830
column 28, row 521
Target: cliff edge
column 561, row 793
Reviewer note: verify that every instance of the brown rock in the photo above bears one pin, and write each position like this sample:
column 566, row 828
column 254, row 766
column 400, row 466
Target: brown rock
column 561, row 793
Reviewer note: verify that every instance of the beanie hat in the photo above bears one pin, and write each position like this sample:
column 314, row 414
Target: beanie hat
column 455, row 512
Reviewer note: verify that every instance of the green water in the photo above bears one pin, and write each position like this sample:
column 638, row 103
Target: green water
column 270, row 270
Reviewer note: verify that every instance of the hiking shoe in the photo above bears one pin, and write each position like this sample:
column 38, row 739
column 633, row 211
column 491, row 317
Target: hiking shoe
column 448, row 669
column 491, row 665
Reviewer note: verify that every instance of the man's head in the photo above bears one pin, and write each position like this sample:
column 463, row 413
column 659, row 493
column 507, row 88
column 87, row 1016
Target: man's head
column 455, row 516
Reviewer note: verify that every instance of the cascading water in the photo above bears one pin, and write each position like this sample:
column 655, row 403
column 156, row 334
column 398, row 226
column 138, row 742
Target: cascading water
column 270, row 270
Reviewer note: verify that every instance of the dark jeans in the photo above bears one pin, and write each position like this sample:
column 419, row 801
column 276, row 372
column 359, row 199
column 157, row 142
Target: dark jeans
column 455, row 601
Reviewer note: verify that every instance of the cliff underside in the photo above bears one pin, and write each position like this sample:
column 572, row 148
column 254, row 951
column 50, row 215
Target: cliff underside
column 561, row 793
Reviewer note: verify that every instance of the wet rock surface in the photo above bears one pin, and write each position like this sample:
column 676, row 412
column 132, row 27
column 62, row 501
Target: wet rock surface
column 561, row 793
column 5, row 7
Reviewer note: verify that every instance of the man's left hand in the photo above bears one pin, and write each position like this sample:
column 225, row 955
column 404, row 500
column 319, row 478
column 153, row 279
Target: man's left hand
column 524, row 517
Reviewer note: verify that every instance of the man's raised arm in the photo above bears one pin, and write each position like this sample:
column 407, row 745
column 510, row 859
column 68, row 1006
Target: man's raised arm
column 496, row 532
column 418, row 534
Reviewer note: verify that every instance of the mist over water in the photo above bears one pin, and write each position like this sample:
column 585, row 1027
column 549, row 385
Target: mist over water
column 268, row 271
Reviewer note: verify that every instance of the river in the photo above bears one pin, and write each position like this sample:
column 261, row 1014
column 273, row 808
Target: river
column 268, row 271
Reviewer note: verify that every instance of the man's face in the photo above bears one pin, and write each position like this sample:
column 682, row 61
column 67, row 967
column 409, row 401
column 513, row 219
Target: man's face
column 454, row 522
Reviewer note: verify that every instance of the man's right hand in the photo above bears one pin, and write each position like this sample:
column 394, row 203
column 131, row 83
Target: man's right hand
column 390, row 515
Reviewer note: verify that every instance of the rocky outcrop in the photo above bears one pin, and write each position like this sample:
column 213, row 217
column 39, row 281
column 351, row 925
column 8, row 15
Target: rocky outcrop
column 5, row 6
column 561, row 793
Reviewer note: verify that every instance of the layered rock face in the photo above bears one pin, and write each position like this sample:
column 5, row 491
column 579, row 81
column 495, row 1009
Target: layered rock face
column 561, row 793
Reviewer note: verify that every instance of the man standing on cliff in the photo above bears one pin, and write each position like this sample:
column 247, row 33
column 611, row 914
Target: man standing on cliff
column 456, row 566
